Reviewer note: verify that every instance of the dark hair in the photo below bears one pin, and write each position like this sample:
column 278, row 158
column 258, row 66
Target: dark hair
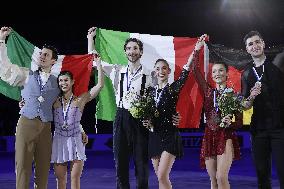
column 139, row 43
column 67, row 73
column 225, row 65
column 53, row 49
column 251, row 34
column 162, row 60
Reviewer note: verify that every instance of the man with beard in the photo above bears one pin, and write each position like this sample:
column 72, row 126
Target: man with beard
column 267, row 126
column 130, row 137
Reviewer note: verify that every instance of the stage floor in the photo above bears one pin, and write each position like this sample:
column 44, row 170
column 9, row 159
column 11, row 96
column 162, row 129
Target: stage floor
column 99, row 172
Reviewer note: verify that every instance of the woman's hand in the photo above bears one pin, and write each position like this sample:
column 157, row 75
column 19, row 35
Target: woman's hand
column 176, row 119
column 85, row 138
column 148, row 124
column 226, row 121
column 200, row 42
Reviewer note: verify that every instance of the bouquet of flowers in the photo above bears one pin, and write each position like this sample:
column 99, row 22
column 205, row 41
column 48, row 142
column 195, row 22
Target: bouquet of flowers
column 142, row 106
column 229, row 103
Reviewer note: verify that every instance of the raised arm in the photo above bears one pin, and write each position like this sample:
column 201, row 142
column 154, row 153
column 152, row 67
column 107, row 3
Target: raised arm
column 90, row 36
column 13, row 74
column 106, row 67
column 96, row 89
column 178, row 84
column 194, row 58
column 199, row 44
column 93, row 92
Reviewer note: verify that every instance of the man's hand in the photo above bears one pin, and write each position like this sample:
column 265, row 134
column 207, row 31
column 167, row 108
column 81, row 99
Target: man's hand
column 91, row 33
column 176, row 119
column 85, row 138
column 4, row 32
column 255, row 90
column 21, row 103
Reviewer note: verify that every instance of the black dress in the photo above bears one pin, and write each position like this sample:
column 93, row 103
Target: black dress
column 166, row 136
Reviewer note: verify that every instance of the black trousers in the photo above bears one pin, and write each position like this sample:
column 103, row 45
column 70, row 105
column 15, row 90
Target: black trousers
column 268, row 144
column 130, row 138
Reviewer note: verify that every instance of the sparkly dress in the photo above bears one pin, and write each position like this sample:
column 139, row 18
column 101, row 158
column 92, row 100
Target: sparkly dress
column 67, row 143
column 215, row 137
column 166, row 136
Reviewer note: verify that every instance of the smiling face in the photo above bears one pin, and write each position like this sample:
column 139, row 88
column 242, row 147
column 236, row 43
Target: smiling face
column 65, row 83
column 133, row 52
column 162, row 71
column 219, row 74
column 255, row 46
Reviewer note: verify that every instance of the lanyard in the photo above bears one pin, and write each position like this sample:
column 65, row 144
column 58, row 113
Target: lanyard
column 129, row 81
column 66, row 110
column 215, row 98
column 158, row 95
column 256, row 74
column 39, row 80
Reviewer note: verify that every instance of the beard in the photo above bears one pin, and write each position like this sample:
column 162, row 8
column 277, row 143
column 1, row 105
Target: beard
column 133, row 59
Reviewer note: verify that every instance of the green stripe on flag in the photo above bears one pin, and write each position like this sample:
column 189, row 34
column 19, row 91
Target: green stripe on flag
column 109, row 45
column 20, row 52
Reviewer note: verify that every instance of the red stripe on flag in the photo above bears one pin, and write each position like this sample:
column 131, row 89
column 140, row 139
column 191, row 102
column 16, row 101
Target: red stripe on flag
column 80, row 66
column 190, row 100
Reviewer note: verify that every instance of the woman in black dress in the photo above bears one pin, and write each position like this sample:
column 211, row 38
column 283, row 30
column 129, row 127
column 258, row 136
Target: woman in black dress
column 165, row 142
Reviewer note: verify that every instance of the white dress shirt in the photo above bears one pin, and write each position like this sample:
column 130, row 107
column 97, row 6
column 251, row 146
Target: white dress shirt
column 135, row 86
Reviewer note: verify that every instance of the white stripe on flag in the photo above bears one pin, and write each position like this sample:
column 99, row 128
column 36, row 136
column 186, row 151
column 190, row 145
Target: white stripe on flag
column 155, row 47
column 35, row 58
column 56, row 68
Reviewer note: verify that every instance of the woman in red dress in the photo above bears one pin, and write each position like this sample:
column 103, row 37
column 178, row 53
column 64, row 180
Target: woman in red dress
column 220, row 144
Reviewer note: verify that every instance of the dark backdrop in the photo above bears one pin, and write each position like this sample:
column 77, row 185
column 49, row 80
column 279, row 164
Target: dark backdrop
column 65, row 24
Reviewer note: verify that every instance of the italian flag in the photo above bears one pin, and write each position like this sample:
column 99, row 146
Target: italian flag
column 176, row 50
column 23, row 53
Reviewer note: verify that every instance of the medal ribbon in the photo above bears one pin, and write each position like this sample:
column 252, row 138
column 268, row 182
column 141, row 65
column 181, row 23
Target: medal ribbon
column 41, row 86
column 256, row 74
column 158, row 94
column 66, row 110
column 215, row 98
column 130, row 80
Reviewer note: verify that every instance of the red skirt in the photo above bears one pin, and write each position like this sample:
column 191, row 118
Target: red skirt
column 214, row 143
